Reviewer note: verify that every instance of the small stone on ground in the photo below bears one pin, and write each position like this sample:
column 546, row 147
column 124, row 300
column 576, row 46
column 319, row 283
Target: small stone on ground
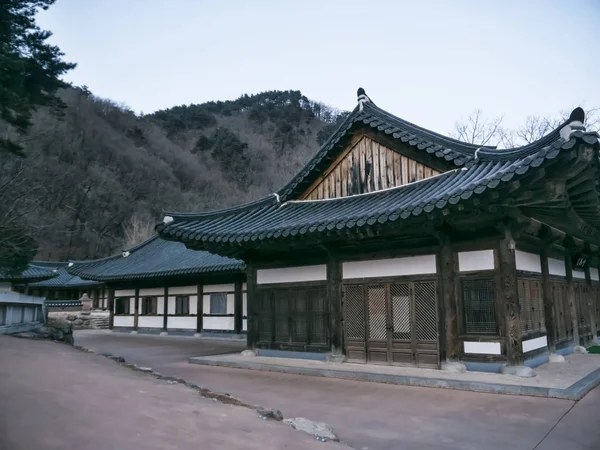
column 319, row 429
column 518, row 371
column 248, row 353
column 274, row 414
column 454, row 367
column 579, row 349
column 556, row 358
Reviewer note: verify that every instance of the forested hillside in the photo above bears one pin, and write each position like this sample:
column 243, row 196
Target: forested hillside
column 96, row 177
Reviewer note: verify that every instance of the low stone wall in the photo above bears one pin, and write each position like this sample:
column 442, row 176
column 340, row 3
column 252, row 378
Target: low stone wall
column 20, row 312
column 78, row 320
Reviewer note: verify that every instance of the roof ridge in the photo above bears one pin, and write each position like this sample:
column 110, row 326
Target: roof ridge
column 220, row 212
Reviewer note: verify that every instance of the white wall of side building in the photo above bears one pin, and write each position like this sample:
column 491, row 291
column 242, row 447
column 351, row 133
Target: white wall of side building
column 409, row 265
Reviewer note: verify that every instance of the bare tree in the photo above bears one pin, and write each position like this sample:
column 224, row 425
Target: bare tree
column 137, row 229
column 476, row 129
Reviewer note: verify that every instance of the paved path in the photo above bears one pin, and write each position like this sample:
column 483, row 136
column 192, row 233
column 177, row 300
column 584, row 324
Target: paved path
column 55, row 397
column 378, row 416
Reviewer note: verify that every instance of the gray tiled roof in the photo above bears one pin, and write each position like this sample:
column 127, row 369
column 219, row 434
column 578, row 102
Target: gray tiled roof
column 272, row 218
column 32, row 273
column 62, row 278
column 155, row 258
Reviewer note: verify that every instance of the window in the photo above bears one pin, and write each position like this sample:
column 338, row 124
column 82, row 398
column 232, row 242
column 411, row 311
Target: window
column 218, row 303
column 122, row 305
column 182, row 304
column 478, row 307
column 2, row 314
column 149, row 305
column 531, row 302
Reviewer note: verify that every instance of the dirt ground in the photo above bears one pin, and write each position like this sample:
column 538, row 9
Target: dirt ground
column 372, row 415
column 53, row 396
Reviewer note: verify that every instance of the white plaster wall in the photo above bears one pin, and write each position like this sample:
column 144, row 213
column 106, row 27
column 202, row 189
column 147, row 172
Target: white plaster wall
column 160, row 305
column 123, row 321
column 579, row 274
column 244, row 286
column 411, row 265
column 193, row 304
column 171, row 305
column 557, row 267
column 292, row 274
column 183, row 290
column 150, row 322
column 208, row 288
column 230, row 303
column 218, row 323
column 153, row 292
column 132, row 305
column 125, row 293
column 534, row 344
column 183, row 323
column 483, row 348
column 244, row 325
column 477, row 260
column 594, row 274
column 245, row 304
column 529, row 262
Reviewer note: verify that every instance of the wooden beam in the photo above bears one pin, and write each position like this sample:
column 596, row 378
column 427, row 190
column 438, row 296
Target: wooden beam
column 334, row 296
column 136, row 310
column 166, row 309
column 571, row 298
column 251, row 299
column 591, row 302
column 111, row 307
column 238, row 307
column 447, row 301
column 199, row 308
column 549, row 310
column 509, row 296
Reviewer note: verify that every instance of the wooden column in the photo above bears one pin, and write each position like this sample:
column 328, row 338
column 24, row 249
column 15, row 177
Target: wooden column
column 166, row 309
column 571, row 297
column 448, row 302
column 549, row 310
column 591, row 303
column 238, row 307
column 334, row 296
column 136, row 310
column 251, row 299
column 200, row 309
column 509, row 294
column 111, row 307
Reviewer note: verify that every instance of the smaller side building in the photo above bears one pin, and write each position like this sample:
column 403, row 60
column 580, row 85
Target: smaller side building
column 161, row 286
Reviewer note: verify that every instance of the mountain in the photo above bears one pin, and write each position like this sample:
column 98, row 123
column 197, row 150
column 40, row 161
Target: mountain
column 97, row 177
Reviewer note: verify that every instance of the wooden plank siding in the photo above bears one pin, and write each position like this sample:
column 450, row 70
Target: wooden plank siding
column 367, row 166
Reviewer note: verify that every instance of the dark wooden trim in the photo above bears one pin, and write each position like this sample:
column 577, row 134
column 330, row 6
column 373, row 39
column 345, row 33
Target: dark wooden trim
column 335, row 300
column 392, row 279
column 447, row 262
column 218, row 315
column 111, row 307
column 252, row 322
column 549, row 310
column 288, row 285
column 136, row 309
column 571, row 296
column 534, row 335
column 165, row 308
column 508, row 293
column 238, row 307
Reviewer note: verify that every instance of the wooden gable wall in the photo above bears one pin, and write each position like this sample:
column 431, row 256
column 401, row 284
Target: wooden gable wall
column 367, row 166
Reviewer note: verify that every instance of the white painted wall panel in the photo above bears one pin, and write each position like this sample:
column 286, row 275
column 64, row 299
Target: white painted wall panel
column 477, row 260
column 245, row 303
column 411, row 265
column 123, row 321
column 483, row 348
column 244, row 286
column 579, row 274
column 534, row 344
column 160, row 305
column 150, row 322
column 208, row 288
column 245, row 325
column 182, row 323
column 132, row 305
column 594, row 275
column 171, row 305
column 529, row 262
column 557, row 267
column 292, row 274
column 194, row 304
column 125, row 293
column 182, row 290
column 218, row 323
column 230, row 303
column 152, row 292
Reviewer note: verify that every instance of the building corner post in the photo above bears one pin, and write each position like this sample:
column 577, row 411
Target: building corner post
column 335, row 299
column 571, row 297
column 591, row 303
column 549, row 310
column 447, row 304
column 251, row 306
column 199, row 308
column 136, row 311
column 111, row 307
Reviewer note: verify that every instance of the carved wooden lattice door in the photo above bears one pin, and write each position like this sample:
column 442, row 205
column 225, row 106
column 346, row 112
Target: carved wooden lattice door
column 392, row 323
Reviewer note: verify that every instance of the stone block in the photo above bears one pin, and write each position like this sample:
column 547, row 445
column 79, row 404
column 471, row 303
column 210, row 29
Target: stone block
column 556, row 358
column 518, row 371
column 319, row 429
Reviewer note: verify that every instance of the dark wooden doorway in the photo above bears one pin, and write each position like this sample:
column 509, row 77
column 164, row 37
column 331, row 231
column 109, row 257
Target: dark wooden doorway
column 293, row 318
column 392, row 323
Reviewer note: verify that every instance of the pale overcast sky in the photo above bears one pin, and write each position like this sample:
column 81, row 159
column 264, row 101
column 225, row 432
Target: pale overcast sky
column 430, row 62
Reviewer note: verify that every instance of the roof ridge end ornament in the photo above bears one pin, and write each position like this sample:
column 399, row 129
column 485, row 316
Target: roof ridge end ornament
column 476, row 156
column 277, row 197
column 167, row 219
column 575, row 122
column 362, row 98
column 125, row 253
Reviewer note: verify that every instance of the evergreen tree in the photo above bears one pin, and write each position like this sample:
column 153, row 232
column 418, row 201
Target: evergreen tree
column 30, row 67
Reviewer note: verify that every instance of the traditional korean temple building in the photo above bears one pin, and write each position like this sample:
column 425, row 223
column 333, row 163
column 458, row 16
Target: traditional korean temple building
column 397, row 245
column 162, row 286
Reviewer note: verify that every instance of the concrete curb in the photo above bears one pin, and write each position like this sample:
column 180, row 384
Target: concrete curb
column 574, row 392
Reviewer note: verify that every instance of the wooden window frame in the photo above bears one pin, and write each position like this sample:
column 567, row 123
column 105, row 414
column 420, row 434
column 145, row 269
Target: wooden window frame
column 464, row 333
column 180, row 301
column 153, row 300
column 218, row 296
column 127, row 310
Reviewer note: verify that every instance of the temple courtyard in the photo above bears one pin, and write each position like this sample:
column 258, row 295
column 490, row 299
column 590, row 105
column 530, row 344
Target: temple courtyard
column 55, row 396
